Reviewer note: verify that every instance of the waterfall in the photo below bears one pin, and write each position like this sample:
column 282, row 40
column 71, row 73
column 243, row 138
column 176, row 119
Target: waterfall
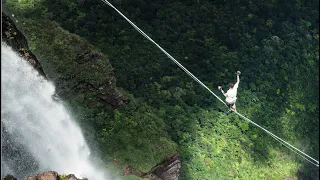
column 37, row 132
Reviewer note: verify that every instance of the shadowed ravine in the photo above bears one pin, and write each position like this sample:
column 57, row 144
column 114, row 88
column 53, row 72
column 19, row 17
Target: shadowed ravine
column 38, row 134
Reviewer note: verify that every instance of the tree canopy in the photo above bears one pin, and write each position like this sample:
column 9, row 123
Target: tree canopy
column 273, row 43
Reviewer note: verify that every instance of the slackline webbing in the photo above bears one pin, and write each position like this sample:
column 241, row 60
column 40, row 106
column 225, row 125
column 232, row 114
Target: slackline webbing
column 289, row 146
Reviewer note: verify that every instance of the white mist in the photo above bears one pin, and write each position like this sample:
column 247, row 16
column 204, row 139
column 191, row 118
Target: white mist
column 40, row 124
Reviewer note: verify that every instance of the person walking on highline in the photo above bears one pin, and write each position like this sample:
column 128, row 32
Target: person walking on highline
column 231, row 95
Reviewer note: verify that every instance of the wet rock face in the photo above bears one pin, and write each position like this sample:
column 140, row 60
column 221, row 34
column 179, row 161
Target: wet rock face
column 14, row 38
column 80, row 72
column 9, row 177
column 15, row 154
column 106, row 91
column 73, row 177
column 50, row 175
column 169, row 170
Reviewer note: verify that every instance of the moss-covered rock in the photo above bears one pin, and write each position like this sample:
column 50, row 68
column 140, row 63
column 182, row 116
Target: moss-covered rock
column 14, row 38
column 79, row 71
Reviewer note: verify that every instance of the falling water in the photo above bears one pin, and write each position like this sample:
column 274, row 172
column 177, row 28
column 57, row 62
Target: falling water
column 38, row 131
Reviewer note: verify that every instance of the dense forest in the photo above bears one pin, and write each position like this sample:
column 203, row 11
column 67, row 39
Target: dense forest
column 273, row 43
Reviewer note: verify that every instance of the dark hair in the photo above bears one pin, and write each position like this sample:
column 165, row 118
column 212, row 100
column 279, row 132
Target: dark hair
column 230, row 85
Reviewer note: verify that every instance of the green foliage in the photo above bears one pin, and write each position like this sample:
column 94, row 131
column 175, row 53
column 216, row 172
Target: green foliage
column 116, row 172
column 121, row 135
column 219, row 150
column 273, row 43
column 63, row 177
column 136, row 136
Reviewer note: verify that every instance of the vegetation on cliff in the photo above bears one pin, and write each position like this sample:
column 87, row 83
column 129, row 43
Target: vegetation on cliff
column 274, row 44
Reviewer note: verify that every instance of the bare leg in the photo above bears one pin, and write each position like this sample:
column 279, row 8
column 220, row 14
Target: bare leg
column 234, row 108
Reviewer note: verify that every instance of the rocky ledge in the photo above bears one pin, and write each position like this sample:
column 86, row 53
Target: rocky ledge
column 50, row 175
column 86, row 72
column 14, row 38
column 167, row 170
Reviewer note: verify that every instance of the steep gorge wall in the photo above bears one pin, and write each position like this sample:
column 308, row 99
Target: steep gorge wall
column 11, row 151
column 14, row 38
column 85, row 64
column 74, row 65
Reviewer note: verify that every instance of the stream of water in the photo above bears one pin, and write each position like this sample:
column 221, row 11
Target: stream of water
column 38, row 133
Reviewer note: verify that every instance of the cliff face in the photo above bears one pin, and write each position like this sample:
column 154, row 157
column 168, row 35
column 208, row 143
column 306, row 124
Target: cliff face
column 169, row 170
column 14, row 38
column 11, row 151
column 79, row 71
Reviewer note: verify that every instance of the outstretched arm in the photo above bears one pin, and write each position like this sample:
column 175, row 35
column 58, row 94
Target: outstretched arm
column 238, row 79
